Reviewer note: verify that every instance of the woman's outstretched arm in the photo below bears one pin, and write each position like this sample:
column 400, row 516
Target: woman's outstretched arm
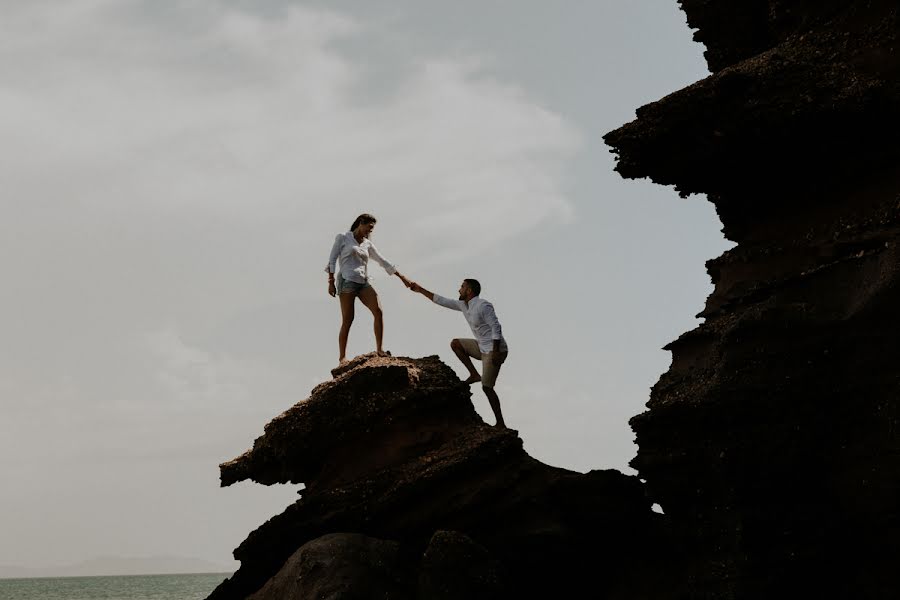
column 386, row 264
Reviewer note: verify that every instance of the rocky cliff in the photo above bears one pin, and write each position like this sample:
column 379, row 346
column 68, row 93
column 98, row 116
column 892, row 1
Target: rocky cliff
column 409, row 494
column 772, row 441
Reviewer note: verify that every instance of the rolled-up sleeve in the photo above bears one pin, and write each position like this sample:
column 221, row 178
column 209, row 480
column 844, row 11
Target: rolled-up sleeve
column 388, row 266
column 490, row 317
column 335, row 252
column 447, row 302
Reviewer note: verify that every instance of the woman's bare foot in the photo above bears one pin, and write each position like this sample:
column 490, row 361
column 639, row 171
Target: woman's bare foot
column 473, row 378
column 382, row 352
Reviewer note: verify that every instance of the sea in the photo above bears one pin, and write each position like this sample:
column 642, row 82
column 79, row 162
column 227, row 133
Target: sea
column 127, row 587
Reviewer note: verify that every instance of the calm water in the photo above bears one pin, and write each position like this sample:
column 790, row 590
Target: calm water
column 131, row 587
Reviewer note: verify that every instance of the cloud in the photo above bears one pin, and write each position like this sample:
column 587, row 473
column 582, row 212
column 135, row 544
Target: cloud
column 189, row 162
column 197, row 382
column 207, row 110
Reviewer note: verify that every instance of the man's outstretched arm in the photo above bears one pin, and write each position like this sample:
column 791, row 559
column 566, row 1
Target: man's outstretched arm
column 418, row 288
column 436, row 298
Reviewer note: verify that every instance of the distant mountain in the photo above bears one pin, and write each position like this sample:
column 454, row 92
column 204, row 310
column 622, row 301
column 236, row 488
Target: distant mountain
column 9, row 572
column 108, row 565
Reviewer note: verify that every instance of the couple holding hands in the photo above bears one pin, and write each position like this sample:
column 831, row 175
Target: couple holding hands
column 354, row 248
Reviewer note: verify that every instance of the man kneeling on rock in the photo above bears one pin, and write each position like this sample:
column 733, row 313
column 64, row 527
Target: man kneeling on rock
column 488, row 346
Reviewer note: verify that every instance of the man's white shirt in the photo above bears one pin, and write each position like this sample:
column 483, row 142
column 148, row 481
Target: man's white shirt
column 481, row 318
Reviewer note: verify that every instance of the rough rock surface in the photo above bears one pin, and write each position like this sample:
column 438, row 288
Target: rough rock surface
column 773, row 441
column 393, row 449
column 456, row 568
column 341, row 566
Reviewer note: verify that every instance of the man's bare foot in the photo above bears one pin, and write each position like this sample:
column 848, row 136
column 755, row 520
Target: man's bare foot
column 342, row 361
column 382, row 353
column 474, row 378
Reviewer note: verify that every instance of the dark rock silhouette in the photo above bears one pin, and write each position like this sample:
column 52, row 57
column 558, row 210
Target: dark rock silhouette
column 454, row 566
column 392, row 449
column 341, row 566
column 772, row 441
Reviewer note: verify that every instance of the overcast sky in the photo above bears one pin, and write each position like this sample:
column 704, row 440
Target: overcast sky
column 173, row 174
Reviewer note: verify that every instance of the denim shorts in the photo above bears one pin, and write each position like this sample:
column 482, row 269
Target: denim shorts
column 350, row 287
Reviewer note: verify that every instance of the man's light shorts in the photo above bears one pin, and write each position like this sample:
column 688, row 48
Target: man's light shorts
column 489, row 369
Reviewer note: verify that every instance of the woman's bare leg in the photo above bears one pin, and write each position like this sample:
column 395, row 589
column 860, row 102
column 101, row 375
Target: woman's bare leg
column 347, row 311
column 369, row 297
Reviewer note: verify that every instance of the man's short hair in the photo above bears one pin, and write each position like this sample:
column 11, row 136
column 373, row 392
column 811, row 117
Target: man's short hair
column 473, row 285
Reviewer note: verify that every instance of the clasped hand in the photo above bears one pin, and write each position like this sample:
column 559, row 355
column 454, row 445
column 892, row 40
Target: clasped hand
column 412, row 285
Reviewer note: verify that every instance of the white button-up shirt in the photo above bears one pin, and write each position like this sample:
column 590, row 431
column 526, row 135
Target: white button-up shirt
column 481, row 318
column 354, row 258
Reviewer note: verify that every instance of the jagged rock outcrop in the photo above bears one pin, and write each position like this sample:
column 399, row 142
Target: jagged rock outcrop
column 773, row 441
column 392, row 449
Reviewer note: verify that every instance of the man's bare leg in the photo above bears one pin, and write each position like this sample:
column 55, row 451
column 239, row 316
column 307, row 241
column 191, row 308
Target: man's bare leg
column 495, row 406
column 466, row 360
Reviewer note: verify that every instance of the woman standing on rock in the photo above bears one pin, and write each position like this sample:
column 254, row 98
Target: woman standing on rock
column 354, row 248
